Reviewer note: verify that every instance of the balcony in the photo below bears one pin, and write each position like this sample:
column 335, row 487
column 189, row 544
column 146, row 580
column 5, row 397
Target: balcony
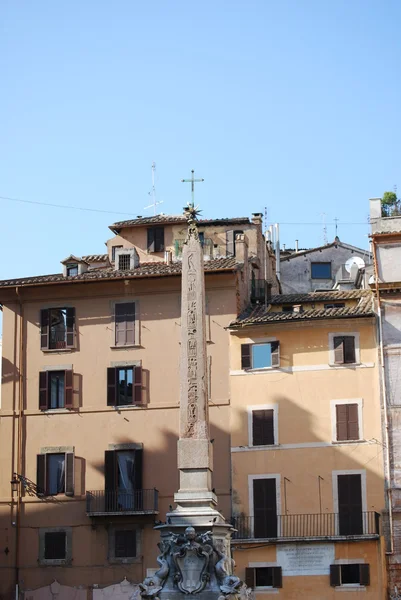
column 308, row 526
column 140, row 502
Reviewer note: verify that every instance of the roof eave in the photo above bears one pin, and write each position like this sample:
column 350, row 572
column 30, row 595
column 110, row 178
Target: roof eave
column 305, row 320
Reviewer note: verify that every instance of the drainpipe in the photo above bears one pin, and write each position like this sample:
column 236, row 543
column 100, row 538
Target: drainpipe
column 19, row 444
column 384, row 388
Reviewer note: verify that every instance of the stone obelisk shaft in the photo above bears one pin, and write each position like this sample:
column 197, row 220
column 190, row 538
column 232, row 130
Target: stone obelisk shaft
column 194, row 448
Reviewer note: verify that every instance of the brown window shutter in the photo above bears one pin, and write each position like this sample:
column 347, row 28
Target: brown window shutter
column 138, row 384
column 151, row 239
column 275, row 350
column 246, row 362
column 353, row 424
column 263, row 427
column 130, row 323
column 69, row 474
column 250, row 577
column 349, row 349
column 138, row 469
column 125, row 323
column 342, row 422
column 70, row 333
column 44, row 329
column 277, row 577
column 159, row 239
column 230, row 249
column 335, row 579
column 338, row 343
column 110, row 471
column 364, row 574
column 69, row 389
column 43, row 390
column 111, row 386
column 41, row 474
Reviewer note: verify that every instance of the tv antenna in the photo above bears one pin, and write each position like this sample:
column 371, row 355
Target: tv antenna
column 323, row 215
column 152, row 193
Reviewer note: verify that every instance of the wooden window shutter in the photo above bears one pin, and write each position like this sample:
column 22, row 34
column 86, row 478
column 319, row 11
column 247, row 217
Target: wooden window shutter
column 263, row 427
column 230, row 249
column 110, row 471
column 277, row 577
column 250, row 577
column 349, row 349
column 70, row 333
column 364, row 574
column 111, row 386
column 246, row 362
column 138, row 469
column 159, row 239
column 342, row 422
column 353, row 424
column 138, row 384
column 69, row 474
column 41, row 474
column 43, row 390
column 275, row 353
column 124, row 323
column 68, row 389
column 335, row 579
column 44, row 329
column 130, row 323
column 338, row 343
column 151, row 239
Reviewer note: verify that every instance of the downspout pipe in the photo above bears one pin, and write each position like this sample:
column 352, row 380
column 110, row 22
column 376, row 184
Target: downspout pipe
column 19, row 442
column 385, row 412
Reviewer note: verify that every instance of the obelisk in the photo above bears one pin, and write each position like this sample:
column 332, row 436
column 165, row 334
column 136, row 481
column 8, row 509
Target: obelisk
column 195, row 462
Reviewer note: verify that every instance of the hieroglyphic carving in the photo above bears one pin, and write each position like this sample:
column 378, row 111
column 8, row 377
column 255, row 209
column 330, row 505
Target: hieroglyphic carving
column 192, row 372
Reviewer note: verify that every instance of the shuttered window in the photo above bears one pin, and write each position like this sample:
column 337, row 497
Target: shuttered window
column 56, row 389
column 344, row 349
column 260, row 356
column 55, row 474
column 156, row 239
column 264, row 577
column 230, row 241
column 347, row 423
column 124, row 386
column 124, row 323
column 55, row 545
column 125, row 543
column 57, row 328
column 263, row 427
column 351, row 574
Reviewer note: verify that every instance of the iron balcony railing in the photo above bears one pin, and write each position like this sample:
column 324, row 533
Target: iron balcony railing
column 100, row 502
column 320, row 525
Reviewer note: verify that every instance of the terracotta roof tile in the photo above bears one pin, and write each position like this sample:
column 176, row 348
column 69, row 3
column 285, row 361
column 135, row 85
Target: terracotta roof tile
column 91, row 258
column 261, row 315
column 170, row 219
column 151, row 269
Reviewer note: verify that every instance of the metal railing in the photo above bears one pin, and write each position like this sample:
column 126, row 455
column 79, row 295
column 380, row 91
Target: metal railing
column 57, row 339
column 100, row 502
column 317, row 525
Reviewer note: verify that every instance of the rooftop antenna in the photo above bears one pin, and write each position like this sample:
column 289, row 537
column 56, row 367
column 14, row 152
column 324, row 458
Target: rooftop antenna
column 336, row 223
column 323, row 215
column 152, row 193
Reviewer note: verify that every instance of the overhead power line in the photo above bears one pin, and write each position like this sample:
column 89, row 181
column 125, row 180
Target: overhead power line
column 98, row 210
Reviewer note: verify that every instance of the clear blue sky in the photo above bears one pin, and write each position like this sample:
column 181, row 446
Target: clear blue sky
column 289, row 104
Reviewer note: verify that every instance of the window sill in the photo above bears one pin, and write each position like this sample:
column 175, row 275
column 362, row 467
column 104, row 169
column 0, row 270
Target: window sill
column 337, row 442
column 261, row 370
column 345, row 365
column 57, row 350
column 126, row 407
column 55, row 411
column 128, row 346
column 64, row 562
column 125, row 561
column 262, row 447
column 266, row 590
column 350, row 588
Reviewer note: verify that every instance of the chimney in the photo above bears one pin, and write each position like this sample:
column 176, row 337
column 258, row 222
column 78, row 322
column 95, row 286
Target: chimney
column 257, row 218
column 296, row 245
column 168, row 257
column 241, row 248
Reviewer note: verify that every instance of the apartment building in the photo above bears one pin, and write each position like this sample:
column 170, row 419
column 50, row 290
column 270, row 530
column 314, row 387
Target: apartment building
column 307, row 455
column 90, row 396
column 386, row 238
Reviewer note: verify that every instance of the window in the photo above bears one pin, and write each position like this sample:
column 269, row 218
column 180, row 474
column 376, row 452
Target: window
column 265, row 509
column 335, row 305
column 230, row 241
column 344, row 349
column 55, row 546
column 156, row 239
column 113, row 252
column 350, row 505
column 124, row 385
column 124, row 323
column 349, row 575
column 201, row 235
column 260, row 356
column 57, row 328
column 55, row 389
column 123, row 480
column 347, row 422
column 263, row 427
column 288, row 308
column 321, row 270
column 125, row 543
column 263, row 577
column 72, row 269
column 55, row 473
column 124, row 262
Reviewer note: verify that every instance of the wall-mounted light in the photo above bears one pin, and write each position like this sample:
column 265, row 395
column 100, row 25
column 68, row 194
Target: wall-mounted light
column 15, row 483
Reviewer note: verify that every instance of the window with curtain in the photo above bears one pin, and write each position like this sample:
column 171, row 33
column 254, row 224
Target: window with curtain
column 55, row 474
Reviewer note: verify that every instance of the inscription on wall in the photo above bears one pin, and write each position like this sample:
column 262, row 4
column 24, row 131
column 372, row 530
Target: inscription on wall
column 305, row 559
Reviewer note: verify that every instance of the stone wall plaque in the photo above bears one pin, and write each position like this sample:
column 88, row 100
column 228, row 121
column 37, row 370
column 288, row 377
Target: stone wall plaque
column 305, row 559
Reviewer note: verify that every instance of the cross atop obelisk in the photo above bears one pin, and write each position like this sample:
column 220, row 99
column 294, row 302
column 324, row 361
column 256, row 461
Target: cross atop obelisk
column 192, row 181
column 194, row 447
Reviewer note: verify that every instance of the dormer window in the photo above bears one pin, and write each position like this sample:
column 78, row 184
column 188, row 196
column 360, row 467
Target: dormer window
column 72, row 269
column 124, row 261
column 113, row 252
